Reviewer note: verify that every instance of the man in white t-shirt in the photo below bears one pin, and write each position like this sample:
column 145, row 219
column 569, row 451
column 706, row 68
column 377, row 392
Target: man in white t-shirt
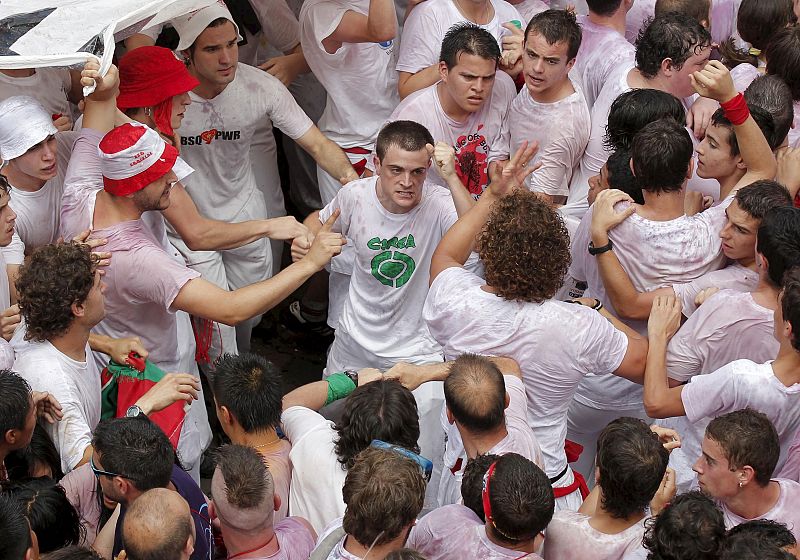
column 245, row 503
column 550, row 109
column 631, row 467
column 230, row 103
column 512, row 314
column 732, row 325
column 351, row 46
column 743, row 219
column 322, row 451
column 468, row 107
column 393, row 222
column 518, row 505
column 740, row 451
column 35, row 157
column 384, row 491
column 427, row 25
column 57, row 89
column 61, row 299
column 603, row 46
column 671, row 48
column 771, row 387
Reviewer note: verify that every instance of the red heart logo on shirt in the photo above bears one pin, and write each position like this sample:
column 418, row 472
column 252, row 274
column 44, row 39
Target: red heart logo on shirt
column 209, row 135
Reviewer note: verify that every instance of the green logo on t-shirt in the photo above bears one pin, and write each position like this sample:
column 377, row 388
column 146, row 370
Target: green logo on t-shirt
column 391, row 267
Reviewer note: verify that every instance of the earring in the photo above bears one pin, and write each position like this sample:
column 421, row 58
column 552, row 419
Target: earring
column 741, row 484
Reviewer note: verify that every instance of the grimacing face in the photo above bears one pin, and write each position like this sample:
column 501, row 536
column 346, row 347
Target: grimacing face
column 401, row 177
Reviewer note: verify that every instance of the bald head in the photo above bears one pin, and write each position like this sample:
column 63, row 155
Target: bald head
column 475, row 393
column 158, row 526
column 243, row 490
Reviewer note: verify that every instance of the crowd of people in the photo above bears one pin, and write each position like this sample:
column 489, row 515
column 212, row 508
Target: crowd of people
column 555, row 251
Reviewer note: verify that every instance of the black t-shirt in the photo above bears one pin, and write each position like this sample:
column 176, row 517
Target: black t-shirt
column 186, row 487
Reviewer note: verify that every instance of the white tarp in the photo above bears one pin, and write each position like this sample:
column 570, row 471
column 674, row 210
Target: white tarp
column 36, row 33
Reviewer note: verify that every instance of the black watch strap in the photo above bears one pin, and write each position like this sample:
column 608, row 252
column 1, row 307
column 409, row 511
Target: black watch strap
column 600, row 250
column 353, row 375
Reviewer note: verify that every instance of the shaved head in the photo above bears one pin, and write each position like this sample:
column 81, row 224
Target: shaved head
column 158, row 526
column 243, row 489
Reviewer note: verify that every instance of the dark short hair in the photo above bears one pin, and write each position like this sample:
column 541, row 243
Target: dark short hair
column 15, row 529
column 16, row 402
column 245, row 475
column 621, row 177
column 759, row 197
column 691, row 527
column 696, row 9
column 661, row 153
column 521, row 497
column 778, row 239
column 759, row 532
column 747, row 437
column 751, row 549
column 557, row 26
column 383, row 410
column 404, row 554
column 467, row 38
column 384, row 493
column 522, row 219
column 633, row 110
column 632, row 462
column 406, row 135
column 21, row 463
column 783, row 58
column 51, row 515
column 250, row 387
column 475, row 393
column 137, row 449
column 74, row 552
column 54, row 278
column 763, row 120
column 673, row 35
column 472, row 482
column 603, row 7
column 772, row 94
column 757, row 21
column 790, row 303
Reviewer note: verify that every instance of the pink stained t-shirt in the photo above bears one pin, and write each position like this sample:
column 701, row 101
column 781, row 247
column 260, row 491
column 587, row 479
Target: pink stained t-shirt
column 569, row 536
column 602, row 50
column 733, row 277
column 295, row 539
column 791, row 468
column 276, row 456
column 480, row 139
column 520, row 439
column 784, row 511
column 556, row 344
column 454, row 531
column 562, row 131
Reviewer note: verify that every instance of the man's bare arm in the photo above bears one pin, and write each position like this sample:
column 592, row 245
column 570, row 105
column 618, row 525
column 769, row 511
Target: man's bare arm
column 408, row 83
column 328, row 155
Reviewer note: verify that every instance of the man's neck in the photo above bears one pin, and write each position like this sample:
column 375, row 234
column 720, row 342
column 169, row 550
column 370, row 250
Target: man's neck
column 355, row 548
column 765, row 294
column 529, row 546
column 662, row 207
column 555, row 93
column 450, row 107
column 252, row 544
column 477, row 11
column 19, row 72
column 604, row 522
column 475, row 445
column 73, row 342
column 615, row 21
column 754, row 501
column 256, row 440
column 726, row 184
column 110, row 210
column 206, row 89
column 637, row 81
column 786, row 366
column 22, row 181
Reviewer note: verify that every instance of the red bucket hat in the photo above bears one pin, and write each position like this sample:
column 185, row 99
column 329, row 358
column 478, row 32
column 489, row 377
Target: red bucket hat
column 151, row 75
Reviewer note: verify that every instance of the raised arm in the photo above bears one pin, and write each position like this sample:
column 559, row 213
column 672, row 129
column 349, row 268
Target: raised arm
column 408, row 83
column 444, row 158
column 715, row 82
column 457, row 244
column 204, row 299
column 412, row 376
column 101, row 106
column 661, row 400
column 328, row 155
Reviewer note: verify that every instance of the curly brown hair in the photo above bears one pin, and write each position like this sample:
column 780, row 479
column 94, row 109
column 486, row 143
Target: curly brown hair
column 524, row 246
column 55, row 277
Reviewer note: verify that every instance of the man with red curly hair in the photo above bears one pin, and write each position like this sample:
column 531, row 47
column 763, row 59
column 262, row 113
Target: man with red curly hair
column 524, row 246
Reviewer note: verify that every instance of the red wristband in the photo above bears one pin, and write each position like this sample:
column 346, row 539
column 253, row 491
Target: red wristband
column 736, row 110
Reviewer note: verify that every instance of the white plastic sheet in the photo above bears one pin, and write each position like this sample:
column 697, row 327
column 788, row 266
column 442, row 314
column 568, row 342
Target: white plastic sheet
column 37, row 33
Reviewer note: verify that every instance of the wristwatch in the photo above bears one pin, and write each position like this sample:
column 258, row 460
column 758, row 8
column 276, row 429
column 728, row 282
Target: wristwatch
column 594, row 251
column 133, row 411
column 352, row 375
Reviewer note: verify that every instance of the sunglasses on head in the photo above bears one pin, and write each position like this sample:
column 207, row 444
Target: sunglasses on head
column 424, row 464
